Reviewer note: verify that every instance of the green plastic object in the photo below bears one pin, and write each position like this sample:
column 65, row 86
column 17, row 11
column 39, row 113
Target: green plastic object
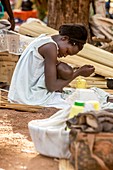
column 1, row 10
column 79, row 103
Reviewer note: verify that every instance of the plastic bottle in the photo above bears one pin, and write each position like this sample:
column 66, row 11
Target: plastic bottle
column 77, row 107
column 81, row 83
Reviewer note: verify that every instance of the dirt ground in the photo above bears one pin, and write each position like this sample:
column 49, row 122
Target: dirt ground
column 16, row 148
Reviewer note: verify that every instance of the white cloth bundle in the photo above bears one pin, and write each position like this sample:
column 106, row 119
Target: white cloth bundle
column 49, row 135
column 4, row 24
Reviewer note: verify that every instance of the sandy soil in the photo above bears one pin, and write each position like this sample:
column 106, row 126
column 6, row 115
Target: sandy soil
column 16, row 148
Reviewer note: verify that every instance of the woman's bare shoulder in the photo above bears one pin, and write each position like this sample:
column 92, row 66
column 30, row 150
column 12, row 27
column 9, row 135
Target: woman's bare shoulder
column 48, row 49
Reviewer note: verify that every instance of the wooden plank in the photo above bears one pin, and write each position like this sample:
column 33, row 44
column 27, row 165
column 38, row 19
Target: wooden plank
column 35, row 29
column 97, row 83
column 102, row 86
column 96, row 54
column 65, row 165
column 110, row 91
column 7, row 64
column 91, row 82
column 8, row 57
column 4, row 53
column 5, row 104
column 94, row 78
column 6, row 71
column 104, row 82
column 97, row 39
column 80, row 61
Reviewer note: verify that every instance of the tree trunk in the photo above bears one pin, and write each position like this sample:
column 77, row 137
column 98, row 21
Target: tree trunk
column 67, row 11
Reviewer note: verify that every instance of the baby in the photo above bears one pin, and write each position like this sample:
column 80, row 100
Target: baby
column 64, row 71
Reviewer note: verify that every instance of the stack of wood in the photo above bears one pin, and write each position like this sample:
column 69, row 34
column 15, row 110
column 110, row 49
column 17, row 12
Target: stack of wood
column 102, row 30
column 7, row 64
column 92, row 81
column 100, row 59
column 105, row 44
column 35, row 28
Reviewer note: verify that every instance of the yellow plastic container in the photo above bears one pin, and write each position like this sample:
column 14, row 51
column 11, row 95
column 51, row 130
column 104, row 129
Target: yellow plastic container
column 81, row 83
column 78, row 107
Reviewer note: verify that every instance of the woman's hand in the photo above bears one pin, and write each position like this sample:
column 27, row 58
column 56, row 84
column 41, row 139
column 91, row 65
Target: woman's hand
column 12, row 21
column 86, row 70
column 7, row 7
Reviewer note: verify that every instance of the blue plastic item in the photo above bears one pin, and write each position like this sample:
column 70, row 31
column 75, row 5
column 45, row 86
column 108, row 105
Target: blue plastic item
column 1, row 10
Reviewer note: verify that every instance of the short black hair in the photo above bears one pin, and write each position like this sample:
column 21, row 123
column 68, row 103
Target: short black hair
column 77, row 33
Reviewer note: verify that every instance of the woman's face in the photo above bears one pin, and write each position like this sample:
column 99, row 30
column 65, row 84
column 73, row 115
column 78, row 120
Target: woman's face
column 65, row 48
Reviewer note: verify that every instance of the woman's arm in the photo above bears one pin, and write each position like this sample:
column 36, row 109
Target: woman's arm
column 49, row 52
column 7, row 7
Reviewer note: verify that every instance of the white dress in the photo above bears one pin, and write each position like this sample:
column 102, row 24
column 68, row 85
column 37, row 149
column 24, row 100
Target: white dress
column 28, row 80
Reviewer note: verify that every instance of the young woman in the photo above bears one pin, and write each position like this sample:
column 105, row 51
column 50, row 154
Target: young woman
column 35, row 79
